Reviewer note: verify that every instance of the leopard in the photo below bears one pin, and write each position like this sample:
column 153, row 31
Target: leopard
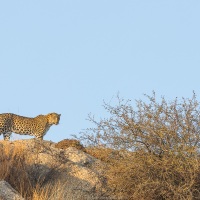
column 36, row 126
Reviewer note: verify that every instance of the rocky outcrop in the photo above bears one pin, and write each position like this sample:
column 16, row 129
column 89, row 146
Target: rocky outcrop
column 79, row 174
column 8, row 193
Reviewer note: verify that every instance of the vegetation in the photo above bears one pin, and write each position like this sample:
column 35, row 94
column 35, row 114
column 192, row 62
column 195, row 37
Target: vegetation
column 66, row 143
column 155, row 148
column 24, row 178
column 151, row 151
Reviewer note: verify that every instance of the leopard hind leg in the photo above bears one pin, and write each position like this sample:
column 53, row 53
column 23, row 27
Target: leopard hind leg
column 7, row 135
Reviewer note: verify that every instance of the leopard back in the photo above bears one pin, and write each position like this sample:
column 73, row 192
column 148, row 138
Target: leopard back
column 37, row 126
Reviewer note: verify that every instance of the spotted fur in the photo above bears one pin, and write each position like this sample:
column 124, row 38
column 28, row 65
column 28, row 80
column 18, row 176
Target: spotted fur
column 37, row 126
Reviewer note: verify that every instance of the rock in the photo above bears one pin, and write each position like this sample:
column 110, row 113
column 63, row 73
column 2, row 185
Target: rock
column 7, row 192
column 78, row 157
column 66, row 143
column 79, row 174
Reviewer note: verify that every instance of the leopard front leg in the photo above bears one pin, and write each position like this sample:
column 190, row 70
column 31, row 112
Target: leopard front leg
column 39, row 138
column 7, row 135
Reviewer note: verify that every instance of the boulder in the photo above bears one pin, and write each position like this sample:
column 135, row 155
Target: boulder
column 7, row 192
column 79, row 174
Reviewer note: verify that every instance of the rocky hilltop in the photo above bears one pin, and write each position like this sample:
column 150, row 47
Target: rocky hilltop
column 76, row 174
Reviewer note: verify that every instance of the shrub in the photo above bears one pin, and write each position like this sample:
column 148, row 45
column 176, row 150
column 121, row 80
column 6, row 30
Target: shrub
column 161, row 140
column 64, row 144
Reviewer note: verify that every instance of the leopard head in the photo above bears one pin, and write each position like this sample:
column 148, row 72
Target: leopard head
column 53, row 118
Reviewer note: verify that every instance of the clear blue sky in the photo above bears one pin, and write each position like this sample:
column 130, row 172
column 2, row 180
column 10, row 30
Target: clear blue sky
column 68, row 56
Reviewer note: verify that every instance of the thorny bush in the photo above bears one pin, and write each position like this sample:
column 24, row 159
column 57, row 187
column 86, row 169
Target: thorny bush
column 162, row 140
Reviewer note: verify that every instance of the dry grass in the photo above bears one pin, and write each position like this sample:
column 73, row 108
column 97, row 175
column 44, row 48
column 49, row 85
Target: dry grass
column 145, row 176
column 130, row 175
column 64, row 144
column 13, row 167
column 103, row 154
column 21, row 176
column 50, row 192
